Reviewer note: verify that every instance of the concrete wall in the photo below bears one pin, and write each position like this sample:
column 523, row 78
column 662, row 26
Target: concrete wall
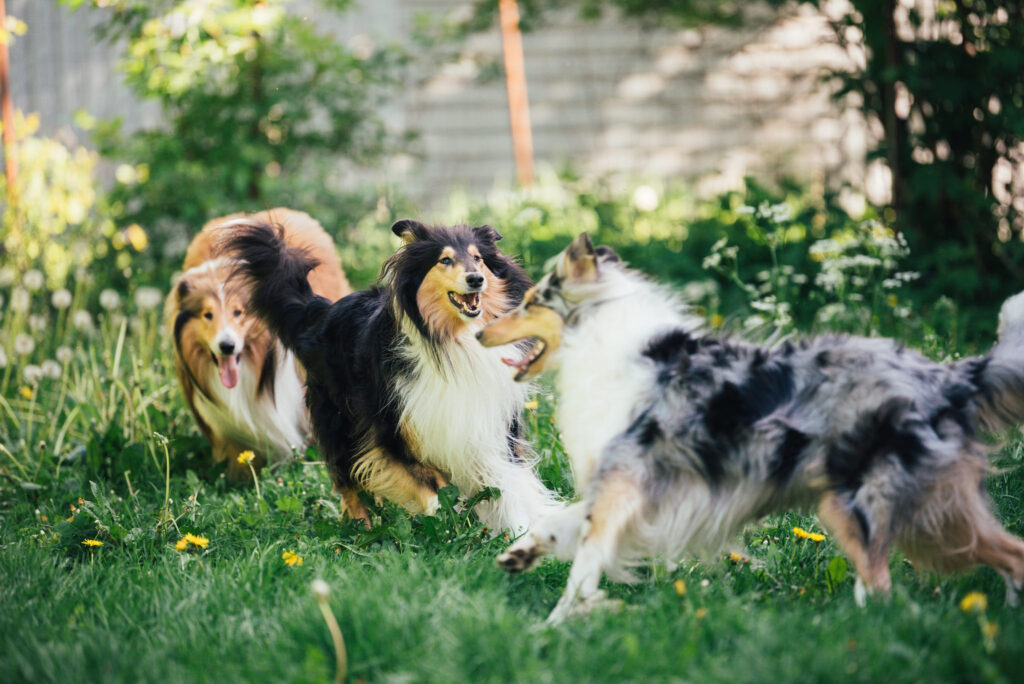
column 708, row 105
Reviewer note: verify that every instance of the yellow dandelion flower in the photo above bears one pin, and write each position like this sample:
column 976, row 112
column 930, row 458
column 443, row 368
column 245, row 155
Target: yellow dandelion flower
column 81, row 501
column 801, row 533
column 92, row 542
column 291, row 558
column 737, row 558
column 531, row 405
column 680, row 586
column 197, row 540
column 246, row 457
column 43, row 518
column 136, row 237
column 701, row 613
column 717, row 320
column 26, row 392
column 182, row 544
column 974, row 602
column 892, row 300
column 71, row 519
column 990, row 630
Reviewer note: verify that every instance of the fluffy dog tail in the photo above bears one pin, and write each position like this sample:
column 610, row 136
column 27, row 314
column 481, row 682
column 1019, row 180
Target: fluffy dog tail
column 999, row 376
column 276, row 274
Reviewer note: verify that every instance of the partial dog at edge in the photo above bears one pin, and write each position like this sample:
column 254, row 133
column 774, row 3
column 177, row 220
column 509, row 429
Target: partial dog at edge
column 678, row 438
column 242, row 385
column 403, row 400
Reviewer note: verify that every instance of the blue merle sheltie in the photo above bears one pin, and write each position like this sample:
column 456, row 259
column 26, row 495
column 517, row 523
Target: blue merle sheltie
column 402, row 398
column 678, row 438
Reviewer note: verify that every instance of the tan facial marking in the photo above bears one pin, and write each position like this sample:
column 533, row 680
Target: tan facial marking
column 528, row 321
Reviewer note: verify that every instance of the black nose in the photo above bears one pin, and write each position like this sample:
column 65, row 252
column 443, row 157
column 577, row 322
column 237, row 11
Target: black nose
column 227, row 347
column 475, row 280
column 480, row 335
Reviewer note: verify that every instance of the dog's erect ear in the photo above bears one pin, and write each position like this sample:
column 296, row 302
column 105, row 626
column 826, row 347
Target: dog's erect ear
column 409, row 230
column 606, row 255
column 183, row 288
column 486, row 234
column 579, row 261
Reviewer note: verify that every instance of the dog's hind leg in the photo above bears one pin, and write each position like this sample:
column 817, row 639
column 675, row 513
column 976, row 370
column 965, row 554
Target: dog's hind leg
column 868, row 549
column 555, row 534
column 617, row 499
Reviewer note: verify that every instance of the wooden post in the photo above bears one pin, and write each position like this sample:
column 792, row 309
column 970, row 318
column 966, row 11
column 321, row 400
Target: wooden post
column 7, row 113
column 515, row 81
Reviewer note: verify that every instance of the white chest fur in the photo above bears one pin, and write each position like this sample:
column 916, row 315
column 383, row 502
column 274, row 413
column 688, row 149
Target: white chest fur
column 270, row 423
column 460, row 409
column 604, row 379
column 459, row 412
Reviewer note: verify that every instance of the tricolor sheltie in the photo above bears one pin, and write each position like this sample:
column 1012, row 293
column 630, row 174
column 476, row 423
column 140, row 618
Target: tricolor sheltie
column 402, row 398
column 678, row 438
column 243, row 387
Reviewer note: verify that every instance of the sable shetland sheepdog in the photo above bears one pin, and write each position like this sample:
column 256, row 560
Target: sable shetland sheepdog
column 402, row 398
column 243, row 387
column 677, row 438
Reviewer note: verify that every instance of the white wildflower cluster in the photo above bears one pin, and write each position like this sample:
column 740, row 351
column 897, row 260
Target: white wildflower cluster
column 774, row 213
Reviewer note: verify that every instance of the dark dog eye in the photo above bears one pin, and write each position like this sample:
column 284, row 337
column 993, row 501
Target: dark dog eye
column 238, row 312
column 208, row 316
column 446, row 261
column 478, row 258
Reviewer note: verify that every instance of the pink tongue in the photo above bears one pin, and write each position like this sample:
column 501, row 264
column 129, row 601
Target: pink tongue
column 228, row 371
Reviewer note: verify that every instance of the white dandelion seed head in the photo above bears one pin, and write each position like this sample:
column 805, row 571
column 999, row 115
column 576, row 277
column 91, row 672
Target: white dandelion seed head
column 82, row 320
column 645, row 198
column 51, row 369
column 320, row 588
column 20, row 300
column 64, row 354
column 7, row 276
column 61, row 299
column 37, row 322
column 32, row 374
column 110, row 299
column 147, row 298
column 23, row 344
column 33, row 279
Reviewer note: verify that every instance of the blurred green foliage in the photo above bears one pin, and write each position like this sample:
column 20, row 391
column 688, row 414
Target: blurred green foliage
column 260, row 109
column 944, row 82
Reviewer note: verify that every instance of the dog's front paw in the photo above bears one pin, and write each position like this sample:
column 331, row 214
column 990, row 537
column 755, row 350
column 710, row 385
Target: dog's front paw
column 569, row 606
column 522, row 555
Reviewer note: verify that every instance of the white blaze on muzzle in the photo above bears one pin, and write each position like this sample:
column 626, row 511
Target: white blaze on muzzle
column 227, row 350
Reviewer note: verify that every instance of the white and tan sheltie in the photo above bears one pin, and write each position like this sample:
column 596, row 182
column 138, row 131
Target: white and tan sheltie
column 244, row 388
column 678, row 437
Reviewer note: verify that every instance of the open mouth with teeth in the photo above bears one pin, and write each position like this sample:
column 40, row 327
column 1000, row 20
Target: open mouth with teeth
column 530, row 357
column 228, row 367
column 468, row 304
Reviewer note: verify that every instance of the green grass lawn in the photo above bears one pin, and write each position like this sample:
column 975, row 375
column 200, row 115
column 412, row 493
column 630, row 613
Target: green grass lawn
column 421, row 599
column 418, row 599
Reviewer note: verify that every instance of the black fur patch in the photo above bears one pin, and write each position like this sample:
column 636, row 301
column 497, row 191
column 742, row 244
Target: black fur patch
column 268, row 374
column 669, row 351
column 888, row 431
column 711, row 462
column 736, row 407
column 862, row 522
column 645, row 430
column 787, row 456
